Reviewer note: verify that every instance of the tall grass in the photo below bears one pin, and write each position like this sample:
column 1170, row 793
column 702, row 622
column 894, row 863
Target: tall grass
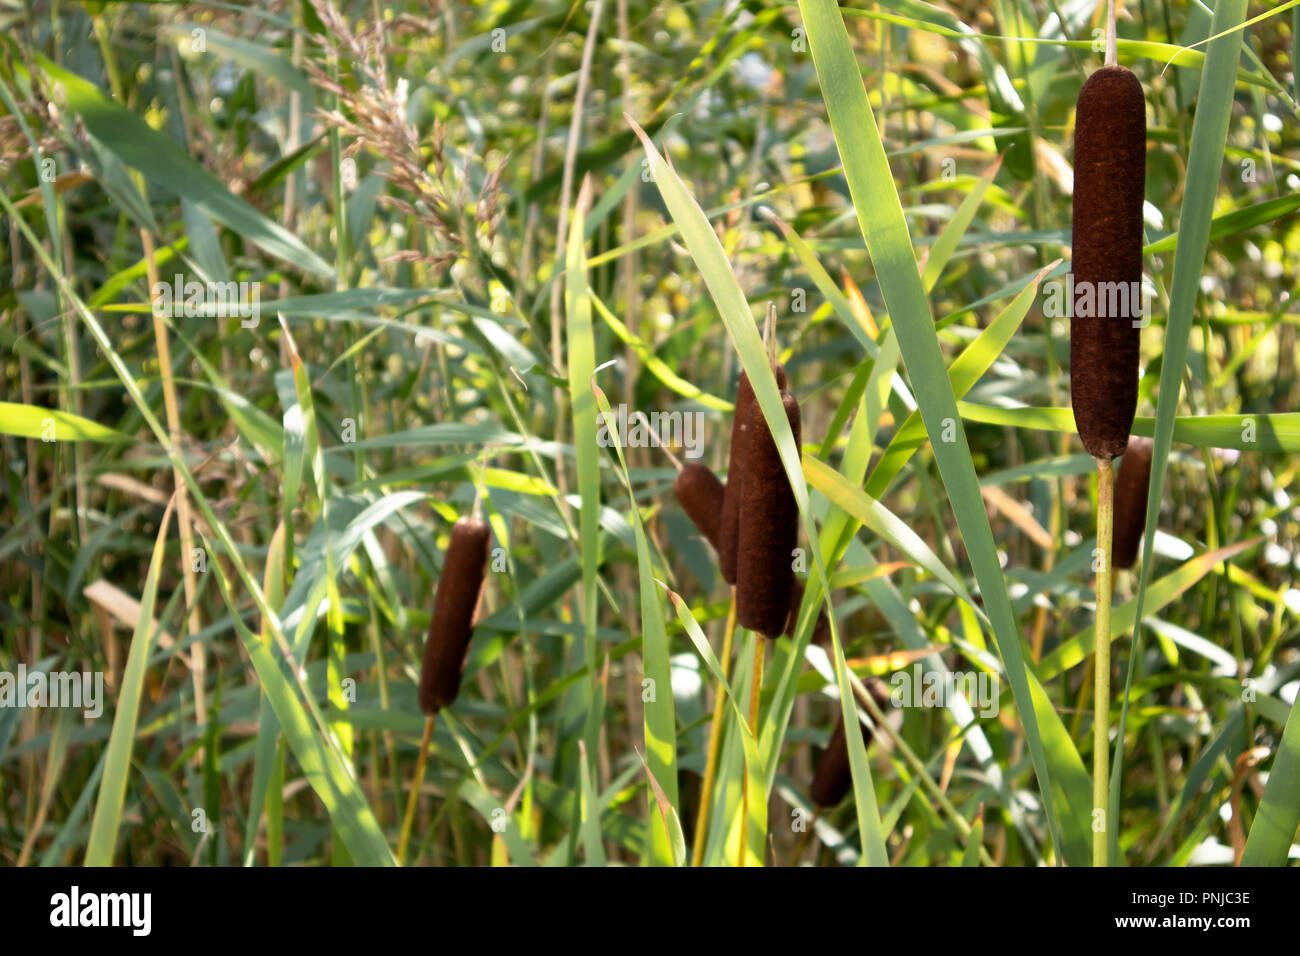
column 465, row 251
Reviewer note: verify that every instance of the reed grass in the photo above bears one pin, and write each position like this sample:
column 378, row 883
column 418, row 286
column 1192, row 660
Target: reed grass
column 473, row 253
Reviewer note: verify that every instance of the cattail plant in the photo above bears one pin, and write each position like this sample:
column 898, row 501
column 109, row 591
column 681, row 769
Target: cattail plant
column 1132, row 482
column 767, row 531
column 833, row 776
column 1109, row 184
column 730, row 538
column 832, row 779
column 702, row 497
column 769, row 526
column 455, row 606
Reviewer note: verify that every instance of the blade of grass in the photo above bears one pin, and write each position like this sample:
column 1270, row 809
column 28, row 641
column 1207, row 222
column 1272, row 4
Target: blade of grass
column 946, row 244
column 975, row 359
column 660, row 724
column 592, row 841
column 328, row 773
column 268, row 728
column 582, row 366
column 1274, row 828
column 48, row 424
column 117, row 763
column 655, row 365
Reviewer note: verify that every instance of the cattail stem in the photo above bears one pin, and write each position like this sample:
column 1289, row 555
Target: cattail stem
column 1101, row 692
column 715, row 740
column 1112, row 54
column 414, row 796
column 760, row 651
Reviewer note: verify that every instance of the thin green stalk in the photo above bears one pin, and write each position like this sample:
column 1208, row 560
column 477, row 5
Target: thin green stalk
column 413, row 798
column 755, row 690
column 275, row 809
column 1101, row 695
column 715, row 738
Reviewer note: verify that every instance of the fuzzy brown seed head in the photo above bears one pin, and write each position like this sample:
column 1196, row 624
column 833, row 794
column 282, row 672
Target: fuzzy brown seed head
column 768, row 526
column 730, row 532
column 1132, row 483
column 454, row 606
column 821, row 635
column 833, row 779
column 1109, row 185
column 701, row 496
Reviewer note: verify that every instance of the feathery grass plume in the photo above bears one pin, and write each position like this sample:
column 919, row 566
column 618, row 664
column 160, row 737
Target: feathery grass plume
column 1109, row 184
column 701, row 496
column 821, row 635
column 1132, row 483
column 833, row 779
column 372, row 113
column 768, row 525
column 730, row 536
column 454, row 607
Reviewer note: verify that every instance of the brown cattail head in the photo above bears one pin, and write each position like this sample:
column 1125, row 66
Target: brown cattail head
column 833, row 779
column 730, row 533
column 821, row 635
column 1109, row 185
column 1132, row 482
column 701, row 496
column 769, row 526
column 454, row 607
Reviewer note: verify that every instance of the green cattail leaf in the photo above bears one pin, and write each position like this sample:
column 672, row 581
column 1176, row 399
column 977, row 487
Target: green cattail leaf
column 47, row 424
column 660, row 722
column 1277, row 433
column 872, row 514
column 971, row 856
column 950, row 237
column 749, row 743
column 1076, row 649
column 582, row 365
column 317, row 754
column 1274, row 829
column 117, row 763
column 268, row 727
column 589, row 812
column 655, row 365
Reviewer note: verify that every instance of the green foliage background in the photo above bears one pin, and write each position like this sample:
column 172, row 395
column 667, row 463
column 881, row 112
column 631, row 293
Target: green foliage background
column 454, row 231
